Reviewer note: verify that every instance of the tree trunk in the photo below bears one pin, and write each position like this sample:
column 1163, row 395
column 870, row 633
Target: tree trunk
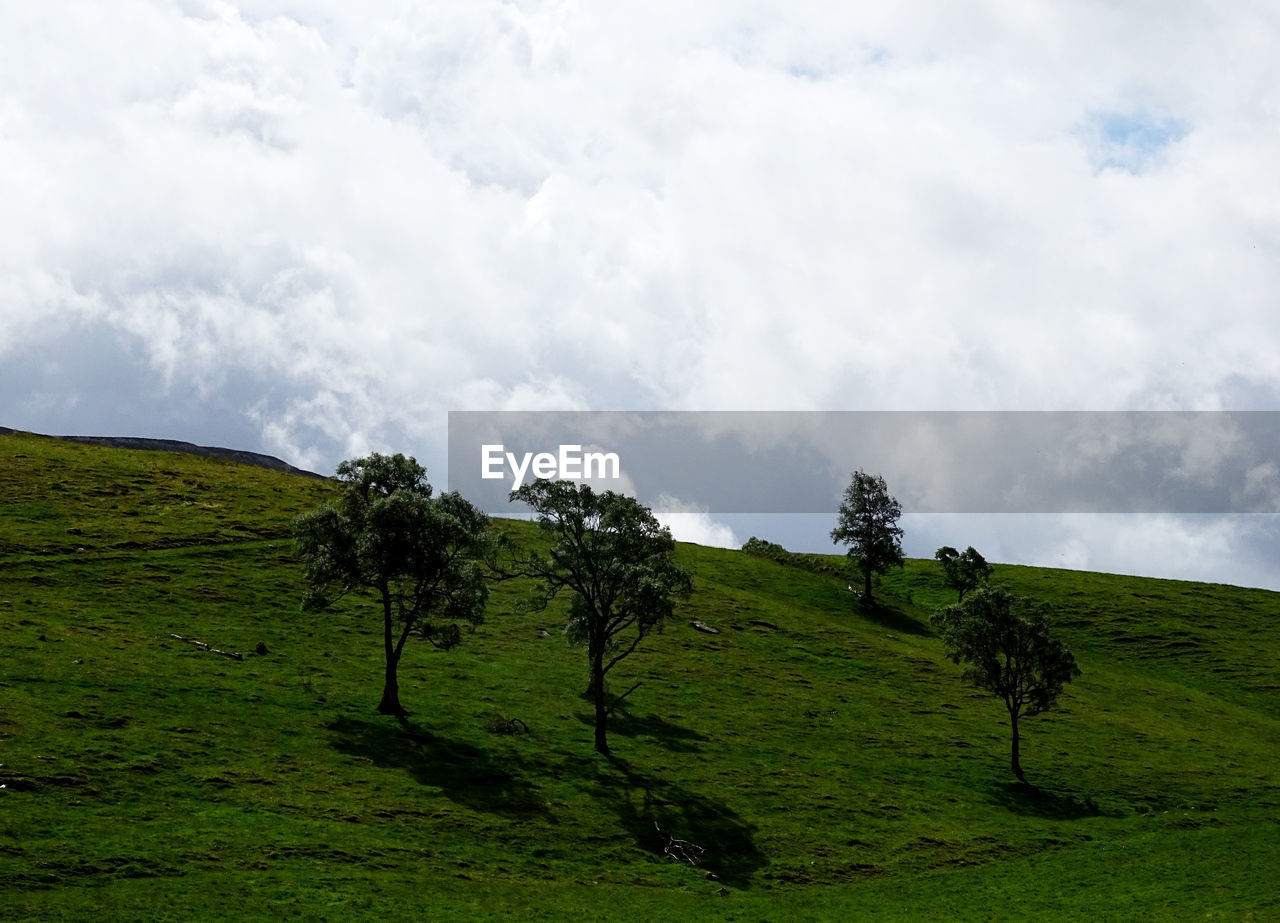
column 1014, row 763
column 866, row 582
column 597, row 693
column 390, row 704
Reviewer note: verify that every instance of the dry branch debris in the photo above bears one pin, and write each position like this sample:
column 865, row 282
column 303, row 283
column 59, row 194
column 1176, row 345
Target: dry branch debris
column 680, row 850
column 234, row 655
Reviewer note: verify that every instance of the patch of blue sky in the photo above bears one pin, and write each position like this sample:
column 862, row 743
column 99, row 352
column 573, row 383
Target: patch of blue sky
column 808, row 71
column 831, row 65
column 1132, row 141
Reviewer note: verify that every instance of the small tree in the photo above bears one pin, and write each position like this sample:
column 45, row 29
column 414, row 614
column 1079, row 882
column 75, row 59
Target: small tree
column 614, row 557
column 868, row 524
column 387, row 535
column 1005, row 643
column 963, row 570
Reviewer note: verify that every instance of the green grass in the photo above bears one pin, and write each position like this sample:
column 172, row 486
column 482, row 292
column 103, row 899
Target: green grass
column 829, row 759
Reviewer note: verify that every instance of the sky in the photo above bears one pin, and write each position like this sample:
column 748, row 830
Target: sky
column 314, row 228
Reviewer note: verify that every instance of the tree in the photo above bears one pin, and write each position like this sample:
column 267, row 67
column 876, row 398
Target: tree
column 615, row 559
column 1005, row 643
column 963, row 571
column 868, row 524
column 418, row 554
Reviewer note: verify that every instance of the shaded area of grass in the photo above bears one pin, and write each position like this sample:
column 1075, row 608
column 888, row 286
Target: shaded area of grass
column 894, row 616
column 460, row 771
column 655, row 811
column 654, row 728
column 1023, row 798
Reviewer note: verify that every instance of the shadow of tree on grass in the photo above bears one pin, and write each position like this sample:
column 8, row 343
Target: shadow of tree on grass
column 1024, row 798
column 649, row 809
column 664, row 733
column 652, row 810
column 887, row 615
column 464, row 773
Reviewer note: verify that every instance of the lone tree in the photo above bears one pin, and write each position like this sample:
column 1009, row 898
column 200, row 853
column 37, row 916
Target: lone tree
column 614, row 557
column 417, row 554
column 1005, row 644
column 963, row 570
column 868, row 524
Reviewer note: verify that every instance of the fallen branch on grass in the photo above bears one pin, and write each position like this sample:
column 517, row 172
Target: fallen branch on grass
column 500, row 725
column 680, row 850
column 234, row 655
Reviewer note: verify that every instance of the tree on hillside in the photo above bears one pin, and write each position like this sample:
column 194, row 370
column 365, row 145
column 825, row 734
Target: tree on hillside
column 615, row 559
column 417, row 554
column 868, row 524
column 1006, row 646
column 963, row 570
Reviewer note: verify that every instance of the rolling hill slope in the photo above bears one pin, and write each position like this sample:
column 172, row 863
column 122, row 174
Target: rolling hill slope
column 830, row 761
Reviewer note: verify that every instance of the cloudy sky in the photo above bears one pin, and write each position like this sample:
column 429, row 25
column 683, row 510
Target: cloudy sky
column 313, row 228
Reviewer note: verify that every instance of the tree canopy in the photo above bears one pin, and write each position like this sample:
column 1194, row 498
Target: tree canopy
column 868, row 523
column 1007, row 648
column 963, row 570
column 615, row 559
column 417, row 553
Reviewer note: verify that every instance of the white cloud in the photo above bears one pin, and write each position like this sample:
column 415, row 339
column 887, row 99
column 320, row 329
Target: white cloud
column 384, row 212
column 690, row 522
column 1236, row 549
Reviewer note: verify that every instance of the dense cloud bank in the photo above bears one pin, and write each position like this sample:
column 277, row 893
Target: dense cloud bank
column 313, row 229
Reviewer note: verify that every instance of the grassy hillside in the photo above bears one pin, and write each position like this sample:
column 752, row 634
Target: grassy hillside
column 830, row 761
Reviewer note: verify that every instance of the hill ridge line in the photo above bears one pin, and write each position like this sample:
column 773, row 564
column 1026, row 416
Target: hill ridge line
column 240, row 456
